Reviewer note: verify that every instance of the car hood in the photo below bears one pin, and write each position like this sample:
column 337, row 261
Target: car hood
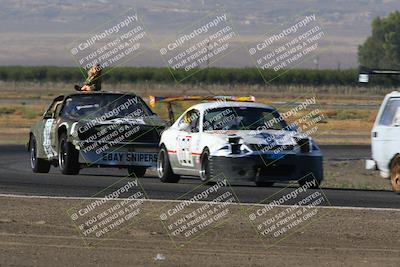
column 153, row 120
column 264, row 137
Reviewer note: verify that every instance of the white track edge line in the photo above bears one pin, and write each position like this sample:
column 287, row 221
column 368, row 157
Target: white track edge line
column 205, row 202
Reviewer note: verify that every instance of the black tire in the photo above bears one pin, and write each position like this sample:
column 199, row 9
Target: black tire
column 164, row 169
column 38, row 165
column 136, row 171
column 68, row 156
column 264, row 184
column 305, row 180
column 395, row 174
column 205, row 168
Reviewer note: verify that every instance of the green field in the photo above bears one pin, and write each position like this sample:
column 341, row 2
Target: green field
column 226, row 76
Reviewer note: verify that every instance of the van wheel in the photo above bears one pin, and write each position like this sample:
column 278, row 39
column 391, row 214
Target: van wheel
column 164, row 169
column 136, row 171
column 395, row 174
column 68, row 156
column 38, row 165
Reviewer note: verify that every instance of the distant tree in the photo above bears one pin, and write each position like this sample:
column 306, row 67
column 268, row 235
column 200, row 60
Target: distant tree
column 382, row 48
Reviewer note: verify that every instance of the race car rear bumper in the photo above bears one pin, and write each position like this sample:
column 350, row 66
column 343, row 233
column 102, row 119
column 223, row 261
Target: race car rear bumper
column 120, row 155
column 264, row 168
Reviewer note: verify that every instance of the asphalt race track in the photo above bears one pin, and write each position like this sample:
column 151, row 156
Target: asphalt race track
column 16, row 177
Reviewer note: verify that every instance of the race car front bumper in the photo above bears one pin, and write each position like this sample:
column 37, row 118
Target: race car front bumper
column 267, row 167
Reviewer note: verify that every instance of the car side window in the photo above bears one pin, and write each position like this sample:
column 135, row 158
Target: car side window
column 57, row 109
column 391, row 113
column 52, row 108
column 190, row 121
column 49, row 112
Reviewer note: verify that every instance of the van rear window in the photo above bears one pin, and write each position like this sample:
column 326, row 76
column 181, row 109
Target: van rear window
column 391, row 113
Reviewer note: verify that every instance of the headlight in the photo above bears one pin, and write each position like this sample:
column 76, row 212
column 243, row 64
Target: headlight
column 244, row 149
column 305, row 144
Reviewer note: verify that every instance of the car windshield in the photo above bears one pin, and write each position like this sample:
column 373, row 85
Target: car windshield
column 107, row 106
column 242, row 118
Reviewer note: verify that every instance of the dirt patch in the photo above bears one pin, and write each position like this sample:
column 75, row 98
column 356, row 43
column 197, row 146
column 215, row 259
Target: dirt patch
column 352, row 174
column 39, row 232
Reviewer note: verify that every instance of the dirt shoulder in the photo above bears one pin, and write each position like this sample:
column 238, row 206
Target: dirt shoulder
column 38, row 232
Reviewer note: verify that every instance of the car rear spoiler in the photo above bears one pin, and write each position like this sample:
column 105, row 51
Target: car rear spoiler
column 153, row 100
column 364, row 73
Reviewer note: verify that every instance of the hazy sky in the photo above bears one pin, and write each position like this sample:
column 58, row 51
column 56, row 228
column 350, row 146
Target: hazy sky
column 42, row 32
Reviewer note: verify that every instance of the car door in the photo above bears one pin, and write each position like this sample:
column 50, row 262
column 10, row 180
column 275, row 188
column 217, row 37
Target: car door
column 48, row 139
column 54, row 126
column 187, row 138
column 386, row 133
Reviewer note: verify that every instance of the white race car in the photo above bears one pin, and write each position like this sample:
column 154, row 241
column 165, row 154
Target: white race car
column 238, row 141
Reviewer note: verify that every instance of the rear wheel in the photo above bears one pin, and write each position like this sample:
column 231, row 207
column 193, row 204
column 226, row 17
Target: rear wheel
column 68, row 156
column 395, row 174
column 38, row 165
column 137, row 171
column 264, row 184
column 205, row 169
column 164, row 169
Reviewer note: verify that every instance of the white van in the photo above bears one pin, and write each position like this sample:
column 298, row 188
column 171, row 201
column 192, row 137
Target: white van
column 385, row 140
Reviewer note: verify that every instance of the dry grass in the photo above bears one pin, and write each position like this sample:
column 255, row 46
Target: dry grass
column 23, row 103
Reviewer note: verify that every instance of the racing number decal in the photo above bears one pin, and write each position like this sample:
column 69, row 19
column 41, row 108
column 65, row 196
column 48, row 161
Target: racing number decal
column 48, row 149
column 184, row 150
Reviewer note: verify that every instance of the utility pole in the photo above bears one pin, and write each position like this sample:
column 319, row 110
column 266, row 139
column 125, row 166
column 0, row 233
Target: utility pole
column 208, row 58
column 316, row 62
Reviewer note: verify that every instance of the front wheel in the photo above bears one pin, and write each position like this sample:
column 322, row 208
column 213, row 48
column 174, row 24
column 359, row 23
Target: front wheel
column 68, row 156
column 38, row 165
column 164, row 169
column 205, row 168
column 136, row 171
column 395, row 174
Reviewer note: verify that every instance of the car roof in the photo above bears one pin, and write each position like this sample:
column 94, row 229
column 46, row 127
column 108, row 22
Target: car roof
column 394, row 93
column 64, row 96
column 101, row 93
column 224, row 104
